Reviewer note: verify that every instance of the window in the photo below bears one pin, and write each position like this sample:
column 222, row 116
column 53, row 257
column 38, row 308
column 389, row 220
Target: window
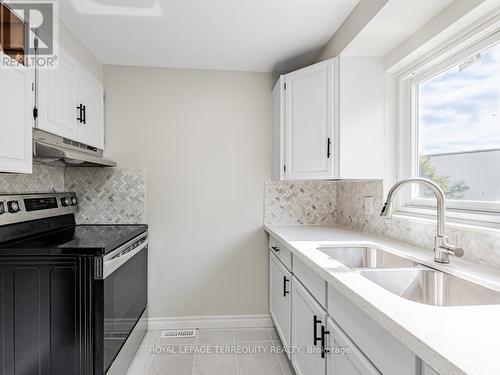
column 450, row 127
column 458, row 126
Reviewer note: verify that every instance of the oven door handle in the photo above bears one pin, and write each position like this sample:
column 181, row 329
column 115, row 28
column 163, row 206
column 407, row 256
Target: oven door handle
column 113, row 264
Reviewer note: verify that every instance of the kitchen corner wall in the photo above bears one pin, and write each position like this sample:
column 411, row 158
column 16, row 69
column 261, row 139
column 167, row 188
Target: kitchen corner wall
column 205, row 139
column 300, row 202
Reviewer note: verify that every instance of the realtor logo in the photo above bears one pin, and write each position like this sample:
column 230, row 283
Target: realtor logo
column 29, row 33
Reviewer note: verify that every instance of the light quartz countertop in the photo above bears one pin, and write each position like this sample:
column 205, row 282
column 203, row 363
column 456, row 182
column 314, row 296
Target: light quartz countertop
column 453, row 340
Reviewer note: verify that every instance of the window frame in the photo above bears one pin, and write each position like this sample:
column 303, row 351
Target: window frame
column 456, row 52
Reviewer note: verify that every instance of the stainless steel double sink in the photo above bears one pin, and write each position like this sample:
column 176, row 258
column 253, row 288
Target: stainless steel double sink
column 411, row 280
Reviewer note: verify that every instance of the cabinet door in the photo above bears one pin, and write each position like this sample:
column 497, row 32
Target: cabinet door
column 280, row 302
column 307, row 319
column 344, row 358
column 45, row 315
column 57, row 99
column 310, row 122
column 16, row 109
column 91, row 130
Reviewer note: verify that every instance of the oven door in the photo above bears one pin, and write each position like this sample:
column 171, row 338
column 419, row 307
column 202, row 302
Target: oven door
column 125, row 280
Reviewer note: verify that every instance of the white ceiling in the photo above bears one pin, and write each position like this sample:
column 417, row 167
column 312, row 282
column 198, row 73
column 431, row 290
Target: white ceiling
column 395, row 22
column 242, row 35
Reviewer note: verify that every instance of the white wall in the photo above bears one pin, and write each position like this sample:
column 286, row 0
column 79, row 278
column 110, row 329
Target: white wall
column 362, row 100
column 352, row 26
column 205, row 139
column 73, row 45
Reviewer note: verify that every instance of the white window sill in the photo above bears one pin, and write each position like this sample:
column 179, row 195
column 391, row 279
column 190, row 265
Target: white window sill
column 458, row 219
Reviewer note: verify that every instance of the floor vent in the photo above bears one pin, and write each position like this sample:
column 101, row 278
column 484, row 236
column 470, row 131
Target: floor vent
column 178, row 333
column 115, row 335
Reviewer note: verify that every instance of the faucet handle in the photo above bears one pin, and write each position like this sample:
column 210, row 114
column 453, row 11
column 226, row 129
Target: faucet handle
column 453, row 250
column 459, row 252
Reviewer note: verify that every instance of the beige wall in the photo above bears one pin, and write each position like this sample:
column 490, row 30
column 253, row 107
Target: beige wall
column 205, row 139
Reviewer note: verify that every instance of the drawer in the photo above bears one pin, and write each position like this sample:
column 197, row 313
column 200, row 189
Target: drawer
column 344, row 357
column 379, row 346
column 311, row 280
column 281, row 252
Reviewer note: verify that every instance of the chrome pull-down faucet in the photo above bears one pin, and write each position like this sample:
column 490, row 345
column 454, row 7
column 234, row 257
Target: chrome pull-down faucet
column 442, row 248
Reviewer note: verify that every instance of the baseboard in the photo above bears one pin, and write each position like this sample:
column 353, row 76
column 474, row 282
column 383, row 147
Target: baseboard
column 217, row 321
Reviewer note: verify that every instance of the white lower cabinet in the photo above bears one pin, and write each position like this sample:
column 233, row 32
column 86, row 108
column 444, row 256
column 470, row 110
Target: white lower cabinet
column 387, row 354
column 341, row 340
column 344, row 358
column 308, row 323
column 280, row 301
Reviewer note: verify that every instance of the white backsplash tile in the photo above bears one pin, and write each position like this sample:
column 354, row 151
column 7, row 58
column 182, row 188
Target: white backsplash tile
column 108, row 195
column 43, row 179
column 482, row 247
column 342, row 203
column 300, row 202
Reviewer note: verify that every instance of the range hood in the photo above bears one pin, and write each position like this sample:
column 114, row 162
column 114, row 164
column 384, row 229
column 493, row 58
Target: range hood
column 58, row 151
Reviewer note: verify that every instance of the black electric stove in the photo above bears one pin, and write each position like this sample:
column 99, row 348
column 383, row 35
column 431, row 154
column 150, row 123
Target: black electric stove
column 73, row 295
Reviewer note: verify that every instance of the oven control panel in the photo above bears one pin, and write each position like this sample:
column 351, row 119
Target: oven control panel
column 26, row 207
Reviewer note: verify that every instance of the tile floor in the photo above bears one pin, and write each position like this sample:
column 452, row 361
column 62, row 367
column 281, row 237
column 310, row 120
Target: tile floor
column 244, row 351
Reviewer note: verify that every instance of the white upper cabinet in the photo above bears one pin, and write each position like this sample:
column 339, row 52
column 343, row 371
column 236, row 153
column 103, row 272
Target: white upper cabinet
column 328, row 121
column 16, row 110
column 57, row 93
column 91, row 128
column 71, row 103
column 309, row 122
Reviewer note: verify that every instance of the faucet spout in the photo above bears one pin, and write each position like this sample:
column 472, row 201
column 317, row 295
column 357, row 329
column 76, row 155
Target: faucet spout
column 442, row 248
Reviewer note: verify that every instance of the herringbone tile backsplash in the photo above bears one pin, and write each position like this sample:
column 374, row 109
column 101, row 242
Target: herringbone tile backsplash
column 43, row 179
column 300, row 202
column 108, row 195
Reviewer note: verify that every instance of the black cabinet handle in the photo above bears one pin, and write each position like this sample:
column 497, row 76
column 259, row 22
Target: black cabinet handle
column 316, row 321
column 285, row 280
column 84, row 115
column 324, row 350
column 328, row 148
column 275, row 248
column 80, row 113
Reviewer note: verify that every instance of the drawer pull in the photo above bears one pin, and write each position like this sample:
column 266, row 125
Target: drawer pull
column 275, row 248
column 316, row 321
column 324, row 350
column 285, row 280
